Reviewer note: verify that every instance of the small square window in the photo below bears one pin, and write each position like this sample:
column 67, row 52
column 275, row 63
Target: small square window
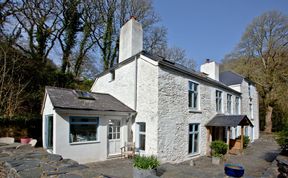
column 112, row 73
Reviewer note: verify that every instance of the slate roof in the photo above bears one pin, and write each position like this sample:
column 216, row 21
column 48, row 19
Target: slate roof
column 230, row 78
column 171, row 66
column 68, row 99
column 229, row 120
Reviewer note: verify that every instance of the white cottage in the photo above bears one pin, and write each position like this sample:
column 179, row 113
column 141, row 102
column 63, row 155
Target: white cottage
column 84, row 126
column 167, row 109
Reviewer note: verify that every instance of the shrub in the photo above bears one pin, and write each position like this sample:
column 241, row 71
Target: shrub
column 145, row 162
column 219, row 148
column 282, row 138
column 246, row 141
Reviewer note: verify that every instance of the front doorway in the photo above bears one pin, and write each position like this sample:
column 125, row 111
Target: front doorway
column 49, row 131
column 114, row 137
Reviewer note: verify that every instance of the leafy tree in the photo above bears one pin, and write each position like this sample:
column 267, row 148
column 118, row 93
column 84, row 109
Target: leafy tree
column 262, row 56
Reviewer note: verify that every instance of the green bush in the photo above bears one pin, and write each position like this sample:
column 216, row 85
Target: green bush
column 246, row 141
column 219, row 148
column 145, row 162
column 282, row 138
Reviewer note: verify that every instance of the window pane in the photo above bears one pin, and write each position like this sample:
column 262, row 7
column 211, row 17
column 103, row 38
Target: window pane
column 195, row 149
column 196, row 127
column 190, row 85
column 142, row 127
column 110, row 136
column 142, row 142
column 190, row 127
column 195, row 100
column 83, row 132
column 118, row 135
column 190, row 144
column 190, row 98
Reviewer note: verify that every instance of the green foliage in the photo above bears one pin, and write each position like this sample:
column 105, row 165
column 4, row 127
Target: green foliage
column 282, row 137
column 145, row 162
column 246, row 141
column 219, row 148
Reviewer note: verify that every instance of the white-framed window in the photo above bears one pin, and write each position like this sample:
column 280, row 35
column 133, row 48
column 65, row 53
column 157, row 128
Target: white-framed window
column 83, row 129
column 142, row 135
column 193, row 146
column 218, row 101
column 114, row 129
column 193, row 95
column 251, row 110
column 249, row 90
column 236, row 132
column 229, row 103
column 237, row 105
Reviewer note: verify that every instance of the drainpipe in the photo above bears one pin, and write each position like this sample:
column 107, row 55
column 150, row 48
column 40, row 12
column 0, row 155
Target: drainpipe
column 136, row 81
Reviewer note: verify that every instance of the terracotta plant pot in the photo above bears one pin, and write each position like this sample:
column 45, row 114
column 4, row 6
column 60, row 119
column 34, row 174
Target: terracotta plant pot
column 25, row 140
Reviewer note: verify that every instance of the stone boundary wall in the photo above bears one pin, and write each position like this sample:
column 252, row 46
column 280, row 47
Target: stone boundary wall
column 36, row 162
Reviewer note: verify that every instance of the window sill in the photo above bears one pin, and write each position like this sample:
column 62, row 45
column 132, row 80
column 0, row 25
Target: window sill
column 193, row 154
column 87, row 142
column 195, row 111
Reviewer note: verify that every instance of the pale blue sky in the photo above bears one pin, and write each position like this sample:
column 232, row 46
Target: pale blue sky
column 211, row 28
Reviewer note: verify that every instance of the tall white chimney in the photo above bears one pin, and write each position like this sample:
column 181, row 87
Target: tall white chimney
column 131, row 39
column 211, row 68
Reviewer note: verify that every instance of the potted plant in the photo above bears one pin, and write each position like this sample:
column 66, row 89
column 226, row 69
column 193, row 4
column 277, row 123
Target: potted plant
column 219, row 149
column 144, row 166
column 25, row 139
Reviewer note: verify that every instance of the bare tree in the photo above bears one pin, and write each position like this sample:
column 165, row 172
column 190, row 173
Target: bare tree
column 11, row 85
column 262, row 48
column 178, row 55
column 38, row 20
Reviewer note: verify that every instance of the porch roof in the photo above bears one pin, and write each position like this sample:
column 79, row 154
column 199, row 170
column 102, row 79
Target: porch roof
column 64, row 98
column 229, row 121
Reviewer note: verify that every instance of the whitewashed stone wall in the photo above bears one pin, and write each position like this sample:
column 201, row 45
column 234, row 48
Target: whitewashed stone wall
column 174, row 115
column 147, row 101
column 122, row 87
column 245, row 107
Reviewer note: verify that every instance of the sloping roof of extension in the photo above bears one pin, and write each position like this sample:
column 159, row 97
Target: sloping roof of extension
column 230, row 78
column 63, row 98
column 229, row 121
column 171, row 66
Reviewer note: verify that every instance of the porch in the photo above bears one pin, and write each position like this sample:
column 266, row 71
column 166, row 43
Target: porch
column 219, row 128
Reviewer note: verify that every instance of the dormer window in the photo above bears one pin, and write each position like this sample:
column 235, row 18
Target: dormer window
column 84, row 95
column 112, row 73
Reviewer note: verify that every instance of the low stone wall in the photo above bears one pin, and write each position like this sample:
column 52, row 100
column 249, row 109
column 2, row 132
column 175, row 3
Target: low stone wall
column 36, row 162
column 278, row 168
column 282, row 163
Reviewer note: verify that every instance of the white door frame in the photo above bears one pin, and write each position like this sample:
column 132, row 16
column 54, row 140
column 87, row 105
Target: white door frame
column 118, row 135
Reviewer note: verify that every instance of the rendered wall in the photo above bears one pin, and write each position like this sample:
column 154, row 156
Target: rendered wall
column 84, row 152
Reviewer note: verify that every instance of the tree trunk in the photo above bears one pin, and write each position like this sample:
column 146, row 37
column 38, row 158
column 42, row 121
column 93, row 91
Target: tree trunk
column 268, row 119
